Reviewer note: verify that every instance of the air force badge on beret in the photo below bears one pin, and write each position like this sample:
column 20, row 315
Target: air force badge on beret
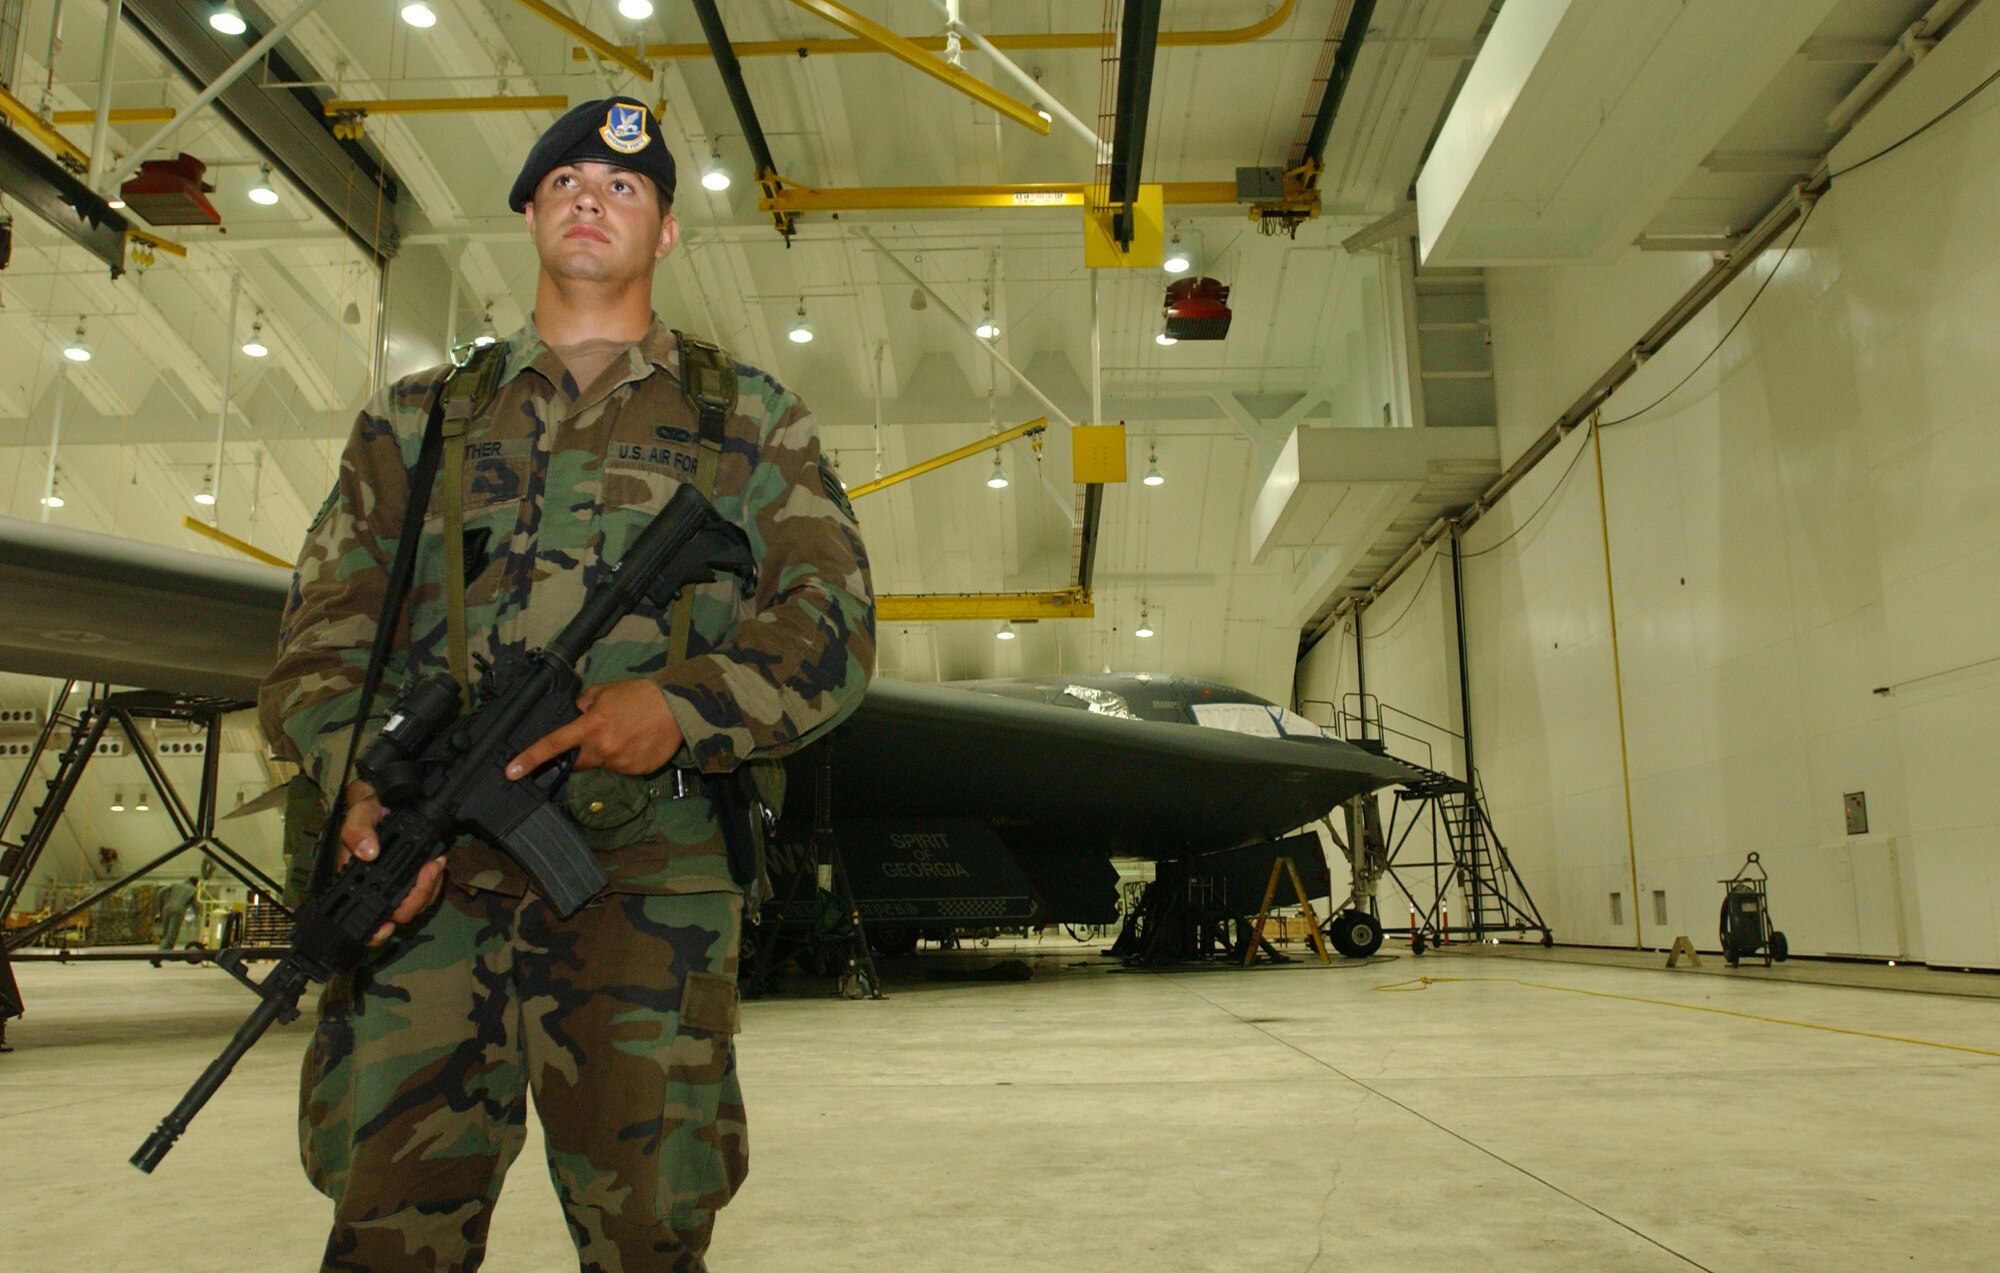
column 620, row 131
column 624, row 128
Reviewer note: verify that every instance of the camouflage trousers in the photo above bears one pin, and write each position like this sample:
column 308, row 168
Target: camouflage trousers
column 622, row 1021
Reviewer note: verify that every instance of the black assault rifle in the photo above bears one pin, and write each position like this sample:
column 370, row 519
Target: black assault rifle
column 439, row 774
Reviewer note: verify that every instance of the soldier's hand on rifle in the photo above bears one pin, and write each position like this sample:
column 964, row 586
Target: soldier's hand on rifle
column 357, row 839
column 626, row 727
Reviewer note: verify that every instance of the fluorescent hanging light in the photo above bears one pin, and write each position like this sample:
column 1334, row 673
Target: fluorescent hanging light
column 1153, row 477
column 802, row 331
column 206, row 495
column 1144, row 629
column 255, row 346
column 225, row 18
column 1006, row 632
column 717, row 176
column 418, row 14
column 1164, row 339
column 142, row 806
column 997, row 479
column 1178, row 261
column 637, row 10
column 77, row 350
column 263, row 192
column 118, row 802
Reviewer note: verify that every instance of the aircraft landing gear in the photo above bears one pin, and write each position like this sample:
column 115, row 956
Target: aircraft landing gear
column 1355, row 934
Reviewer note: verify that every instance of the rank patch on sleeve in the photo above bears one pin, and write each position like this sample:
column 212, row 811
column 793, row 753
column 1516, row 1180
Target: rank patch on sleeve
column 835, row 491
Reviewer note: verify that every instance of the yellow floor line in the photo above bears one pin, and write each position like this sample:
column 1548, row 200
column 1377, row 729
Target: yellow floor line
column 1424, row 983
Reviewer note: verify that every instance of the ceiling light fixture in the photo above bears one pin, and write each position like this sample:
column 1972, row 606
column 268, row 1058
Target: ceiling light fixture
column 419, row 14
column 1144, row 629
column 1046, row 117
column 1164, row 339
column 226, row 19
column 264, row 192
column 117, row 802
column 997, row 479
column 255, row 346
column 987, row 329
column 114, row 203
column 142, row 806
column 206, row 495
column 717, row 176
column 54, row 498
column 1178, row 261
column 637, row 10
column 1153, row 477
column 802, row 331
column 1006, row 632
column 77, row 350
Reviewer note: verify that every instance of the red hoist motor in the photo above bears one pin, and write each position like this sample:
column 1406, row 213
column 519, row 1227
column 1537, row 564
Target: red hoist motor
column 1197, row 309
column 171, row 192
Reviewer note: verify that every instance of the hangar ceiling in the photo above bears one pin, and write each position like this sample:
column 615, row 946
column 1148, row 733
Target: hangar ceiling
column 1323, row 334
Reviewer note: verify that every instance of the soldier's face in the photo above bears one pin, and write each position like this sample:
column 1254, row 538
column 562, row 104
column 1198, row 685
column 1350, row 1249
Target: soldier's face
column 593, row 222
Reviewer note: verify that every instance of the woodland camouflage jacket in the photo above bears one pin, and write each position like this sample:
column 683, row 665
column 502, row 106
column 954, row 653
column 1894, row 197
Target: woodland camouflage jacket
column 558, row 482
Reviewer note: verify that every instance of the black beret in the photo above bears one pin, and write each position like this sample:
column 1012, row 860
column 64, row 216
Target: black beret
column 613, row 130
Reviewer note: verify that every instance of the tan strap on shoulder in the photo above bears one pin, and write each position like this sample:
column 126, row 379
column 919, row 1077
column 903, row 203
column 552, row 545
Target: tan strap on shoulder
column 708, row 384
column 468, row 393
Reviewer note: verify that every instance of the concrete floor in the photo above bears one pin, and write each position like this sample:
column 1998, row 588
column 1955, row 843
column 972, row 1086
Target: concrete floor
column 1293, row 1118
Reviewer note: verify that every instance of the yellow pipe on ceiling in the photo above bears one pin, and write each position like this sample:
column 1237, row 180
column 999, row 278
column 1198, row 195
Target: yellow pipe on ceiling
column 936, row 43
column 1021, row 607
column 910, row 54
column 952, row 456
column 593, row 42
column 1051, row 194
column 230, row 541
column 442, row 105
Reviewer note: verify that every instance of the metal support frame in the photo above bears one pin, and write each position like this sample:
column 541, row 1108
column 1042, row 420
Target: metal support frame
column 1311, row 155
column 937, row 68
column 196, row 827
column 768, row 180
column 22, row 117
column 1138, row 41
column 342, row 177
column 362, row 107
column 1028, row 82
column 106, row 182
column 47, row 189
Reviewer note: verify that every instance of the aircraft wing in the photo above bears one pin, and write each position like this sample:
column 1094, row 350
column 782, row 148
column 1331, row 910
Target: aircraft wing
column 1047, row 776
column 96, row 607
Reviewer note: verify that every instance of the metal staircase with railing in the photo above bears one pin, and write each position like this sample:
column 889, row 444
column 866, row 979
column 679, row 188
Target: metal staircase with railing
column 1466, row 850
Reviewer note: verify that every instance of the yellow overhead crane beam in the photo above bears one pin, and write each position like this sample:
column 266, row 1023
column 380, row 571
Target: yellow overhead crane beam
column 871, row 32
column 935, row 43
column 1069, row 603
column 16, row 112
column 1047, row 194
column 442, row 105
column 593, row 42
column 1032, row 428
column 119, row 115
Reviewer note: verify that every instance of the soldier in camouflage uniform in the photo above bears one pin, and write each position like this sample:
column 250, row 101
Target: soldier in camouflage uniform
column 620, row 1019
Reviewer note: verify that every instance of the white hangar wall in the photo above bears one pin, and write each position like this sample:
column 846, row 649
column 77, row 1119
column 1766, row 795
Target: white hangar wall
column 1811, row 518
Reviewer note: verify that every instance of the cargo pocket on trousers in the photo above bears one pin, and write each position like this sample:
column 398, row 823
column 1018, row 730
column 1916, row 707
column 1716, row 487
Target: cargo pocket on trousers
column 709, row 1003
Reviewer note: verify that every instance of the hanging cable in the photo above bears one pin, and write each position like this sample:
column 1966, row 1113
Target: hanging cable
column 1530, row 518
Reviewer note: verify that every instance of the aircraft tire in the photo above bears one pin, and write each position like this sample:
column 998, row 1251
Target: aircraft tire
column 1781, row 950
column 1356, row 934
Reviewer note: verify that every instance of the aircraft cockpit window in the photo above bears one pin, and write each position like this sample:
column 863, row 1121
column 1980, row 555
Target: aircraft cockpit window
column 1102, row 702
column 1297, row 726
column 1238, row 718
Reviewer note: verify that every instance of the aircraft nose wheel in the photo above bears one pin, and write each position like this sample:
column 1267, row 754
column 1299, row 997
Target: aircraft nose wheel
column 1355, row 934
